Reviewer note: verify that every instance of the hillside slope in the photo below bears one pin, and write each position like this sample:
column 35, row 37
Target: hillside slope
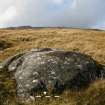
column 90, row 42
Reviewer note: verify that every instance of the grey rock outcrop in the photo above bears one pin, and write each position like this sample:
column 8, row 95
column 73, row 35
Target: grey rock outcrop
column 51, row 70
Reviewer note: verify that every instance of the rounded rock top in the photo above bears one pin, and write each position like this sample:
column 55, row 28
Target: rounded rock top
column 70, row 69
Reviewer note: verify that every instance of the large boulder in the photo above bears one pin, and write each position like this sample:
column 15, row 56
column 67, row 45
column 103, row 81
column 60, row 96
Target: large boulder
column 51, row 70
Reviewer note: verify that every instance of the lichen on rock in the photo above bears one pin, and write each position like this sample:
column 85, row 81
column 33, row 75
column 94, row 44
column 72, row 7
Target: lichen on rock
column 51, row 70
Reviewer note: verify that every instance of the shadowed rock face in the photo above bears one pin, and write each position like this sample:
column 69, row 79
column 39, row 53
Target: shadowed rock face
column 50, row 70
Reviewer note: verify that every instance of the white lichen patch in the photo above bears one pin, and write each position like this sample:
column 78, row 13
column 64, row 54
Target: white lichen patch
column 27, row 85
column 69, row 59
column 79, row 66
column 35, row 81
column 66, row 62
column 53, row 73
column 1, row 67
column 87, row 62
column 21, row 91
column 13, row 68
column 19, row 85
column 32, row 98
column 42, row 62
column 50, row 60
column 35, row 73
column 34, row 50
column 54, row 77
column 20, row 78
column 49, row 82
column 38, row 58
column 20, row 71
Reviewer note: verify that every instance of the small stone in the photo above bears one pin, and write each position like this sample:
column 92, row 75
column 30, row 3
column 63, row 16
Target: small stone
column 38, row 96
column 56, row 96
column 44, row 93
column 48, row 96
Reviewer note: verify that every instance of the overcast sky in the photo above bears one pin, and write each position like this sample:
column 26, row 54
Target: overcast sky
column 64, row 13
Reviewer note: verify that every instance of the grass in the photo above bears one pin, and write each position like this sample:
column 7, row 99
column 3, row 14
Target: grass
column 90, row 42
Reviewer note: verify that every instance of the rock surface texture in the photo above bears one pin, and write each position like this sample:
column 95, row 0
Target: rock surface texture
column 50, row 70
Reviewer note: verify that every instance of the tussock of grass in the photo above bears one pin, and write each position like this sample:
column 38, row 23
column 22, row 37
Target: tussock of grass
column 91, row 42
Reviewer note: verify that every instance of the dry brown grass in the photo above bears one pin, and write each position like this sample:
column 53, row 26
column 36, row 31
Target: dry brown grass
column 90, row 42
column 86, row 41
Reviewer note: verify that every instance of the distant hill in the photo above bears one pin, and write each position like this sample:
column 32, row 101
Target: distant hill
column 31, row 27
column 20, row 27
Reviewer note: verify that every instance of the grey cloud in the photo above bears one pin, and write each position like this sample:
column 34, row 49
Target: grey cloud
column 74, row 13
